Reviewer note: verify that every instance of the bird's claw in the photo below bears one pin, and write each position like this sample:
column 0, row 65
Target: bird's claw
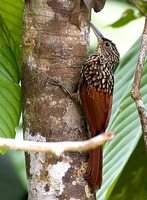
column 53, row 81
column 59, row 83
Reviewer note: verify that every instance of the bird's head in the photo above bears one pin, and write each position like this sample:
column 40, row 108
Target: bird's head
column 106, row 48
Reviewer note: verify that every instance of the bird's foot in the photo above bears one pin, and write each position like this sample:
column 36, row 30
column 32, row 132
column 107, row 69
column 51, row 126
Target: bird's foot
column 59, row 83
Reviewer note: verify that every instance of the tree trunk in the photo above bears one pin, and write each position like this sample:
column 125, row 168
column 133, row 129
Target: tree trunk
column 55, row 39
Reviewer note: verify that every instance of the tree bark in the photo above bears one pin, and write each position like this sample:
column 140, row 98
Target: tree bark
column 54, row 46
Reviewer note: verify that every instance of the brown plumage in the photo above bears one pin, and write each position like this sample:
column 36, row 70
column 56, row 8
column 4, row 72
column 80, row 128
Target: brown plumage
column 96, row 89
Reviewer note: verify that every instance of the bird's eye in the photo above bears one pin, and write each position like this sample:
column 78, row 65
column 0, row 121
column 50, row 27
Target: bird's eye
column 107, row 44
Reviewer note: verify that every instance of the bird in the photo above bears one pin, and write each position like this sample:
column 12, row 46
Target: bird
column 96, row 93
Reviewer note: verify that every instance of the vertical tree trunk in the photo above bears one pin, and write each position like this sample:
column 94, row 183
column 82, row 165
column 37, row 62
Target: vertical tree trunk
column 55, row 41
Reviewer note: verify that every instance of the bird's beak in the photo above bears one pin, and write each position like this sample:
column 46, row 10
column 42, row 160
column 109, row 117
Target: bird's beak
column 98, row 34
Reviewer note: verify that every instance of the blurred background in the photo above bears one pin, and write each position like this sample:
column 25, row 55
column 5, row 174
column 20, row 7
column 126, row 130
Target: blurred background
column 117, row 22
column 110, row 22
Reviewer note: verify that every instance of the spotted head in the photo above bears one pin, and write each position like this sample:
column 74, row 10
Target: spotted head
column 106, row 49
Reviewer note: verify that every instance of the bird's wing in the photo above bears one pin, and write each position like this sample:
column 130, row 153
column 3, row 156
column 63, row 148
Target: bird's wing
column 97, row 107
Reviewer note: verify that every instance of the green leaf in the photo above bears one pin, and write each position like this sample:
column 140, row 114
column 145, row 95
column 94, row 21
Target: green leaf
column 127, row 16
column 124, row 122
column 18, row 161
column 10, row 184
column 12, row 13
column 9, row 54
column 9, row 107
column 132, row 184
column 9, row 83
column 142, row 5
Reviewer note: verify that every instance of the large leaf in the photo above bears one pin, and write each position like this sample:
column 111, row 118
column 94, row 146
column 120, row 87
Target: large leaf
column 11, row 11
column 132, row 184
column 10, row 185
column 125, row 122
column 9, row 83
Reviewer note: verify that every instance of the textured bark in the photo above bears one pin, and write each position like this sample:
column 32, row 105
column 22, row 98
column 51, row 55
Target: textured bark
column 136, row 91
column 53, row 46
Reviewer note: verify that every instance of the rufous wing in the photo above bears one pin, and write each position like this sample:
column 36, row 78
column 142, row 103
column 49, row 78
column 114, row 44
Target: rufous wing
column 97, row 107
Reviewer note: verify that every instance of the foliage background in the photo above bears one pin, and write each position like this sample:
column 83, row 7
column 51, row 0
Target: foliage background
column 124, row 158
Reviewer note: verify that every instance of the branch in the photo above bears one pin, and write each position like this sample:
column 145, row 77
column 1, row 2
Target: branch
column 135, row 92
column 55, row 147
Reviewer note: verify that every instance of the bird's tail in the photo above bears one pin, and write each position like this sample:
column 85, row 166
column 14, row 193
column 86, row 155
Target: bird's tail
column 94, row 170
